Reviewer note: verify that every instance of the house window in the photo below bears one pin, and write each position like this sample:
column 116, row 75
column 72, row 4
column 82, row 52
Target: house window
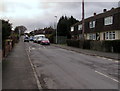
column 80, row 27
column 113, row 35
column 108, row 20
column 110, row 35
column 92, row 24
column 106, row 35
column 72, row 29
column 92, row 36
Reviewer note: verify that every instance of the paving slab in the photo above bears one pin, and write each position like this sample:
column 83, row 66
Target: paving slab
column 17, row 72
column 115, row 56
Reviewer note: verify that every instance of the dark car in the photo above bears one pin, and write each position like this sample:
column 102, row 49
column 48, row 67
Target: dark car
column 45, row 41
column 26, row 39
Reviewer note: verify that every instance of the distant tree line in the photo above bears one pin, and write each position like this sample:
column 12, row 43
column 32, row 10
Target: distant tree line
column 63, row 26
column 8, row 33
column 6, row 29
column 20, row 29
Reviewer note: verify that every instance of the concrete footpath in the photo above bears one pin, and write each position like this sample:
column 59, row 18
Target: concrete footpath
column 17, row 72
column 114, row 56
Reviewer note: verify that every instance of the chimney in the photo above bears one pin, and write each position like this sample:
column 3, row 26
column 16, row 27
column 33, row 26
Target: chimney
column 119, row 4
column 104, row 10
column 94, row 14
column 112, row 8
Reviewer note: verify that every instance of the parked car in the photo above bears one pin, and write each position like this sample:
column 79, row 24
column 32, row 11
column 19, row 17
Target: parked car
column 37, row 38
column 31, row 38
column 34, row 39
column 45, row 41
column 26, row 39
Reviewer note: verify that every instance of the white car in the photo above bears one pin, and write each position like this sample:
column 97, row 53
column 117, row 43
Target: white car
column 34, row 39
column 37, row 37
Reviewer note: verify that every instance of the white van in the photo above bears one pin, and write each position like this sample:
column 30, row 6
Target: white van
column 38, row 38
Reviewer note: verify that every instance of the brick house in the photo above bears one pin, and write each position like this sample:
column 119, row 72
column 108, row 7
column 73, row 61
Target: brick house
column 103, row 26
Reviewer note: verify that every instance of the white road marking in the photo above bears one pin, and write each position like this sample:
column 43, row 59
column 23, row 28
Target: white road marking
column 110, row 59
column 33, row 48
column 98, row 57
column 116, row 61
column 107, row 76
column 104, row 58
column 29, row 49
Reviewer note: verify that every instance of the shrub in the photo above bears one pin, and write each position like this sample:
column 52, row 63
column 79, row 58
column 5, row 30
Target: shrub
column 106, row 46
column 86, row 44
column 116, row 46
column 74, row 43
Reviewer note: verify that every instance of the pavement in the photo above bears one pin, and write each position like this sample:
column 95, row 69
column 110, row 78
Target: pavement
column 115, row 56
column 17, row 72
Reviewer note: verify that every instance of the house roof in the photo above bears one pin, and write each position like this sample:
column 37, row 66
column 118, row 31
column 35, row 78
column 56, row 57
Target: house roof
column 101, row 15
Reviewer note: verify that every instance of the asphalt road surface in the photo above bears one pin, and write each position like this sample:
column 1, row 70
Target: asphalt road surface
column 63, row 69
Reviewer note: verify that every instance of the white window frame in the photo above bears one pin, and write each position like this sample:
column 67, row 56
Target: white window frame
column 92, row 24
column 107, row 35
column 110, row 35
column 92, row 36
column 108, row 20
column 72, row 29
column 80, row 27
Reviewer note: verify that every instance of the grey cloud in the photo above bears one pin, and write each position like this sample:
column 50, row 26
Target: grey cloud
column 59, row 9
column 13, row 5
column 91, row 7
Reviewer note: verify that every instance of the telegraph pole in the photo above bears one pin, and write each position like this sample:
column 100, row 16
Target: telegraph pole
column 83, row 22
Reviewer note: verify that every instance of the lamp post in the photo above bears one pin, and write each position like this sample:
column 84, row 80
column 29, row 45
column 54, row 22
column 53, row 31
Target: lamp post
column 56, row 29
column 19, row 33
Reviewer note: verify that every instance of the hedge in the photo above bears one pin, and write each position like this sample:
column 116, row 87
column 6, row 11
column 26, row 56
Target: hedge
column 74, row 43
column 106, row 46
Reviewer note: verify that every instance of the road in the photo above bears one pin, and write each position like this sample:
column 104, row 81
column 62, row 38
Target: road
column 63, row 69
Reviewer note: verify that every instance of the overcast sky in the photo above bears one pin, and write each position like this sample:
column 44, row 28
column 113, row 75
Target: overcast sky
column 34, row 14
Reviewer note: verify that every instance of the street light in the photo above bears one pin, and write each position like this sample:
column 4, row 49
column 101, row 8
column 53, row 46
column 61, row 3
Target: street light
column 19, row 32
column 56, row 29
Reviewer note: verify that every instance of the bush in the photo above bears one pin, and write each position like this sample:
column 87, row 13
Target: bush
column 74, row 43
column 50, row 37
column 81, row 42
column 111, row 46
column 86, row 44
column 106, row 46
column 96, row 45
column 116, row 46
